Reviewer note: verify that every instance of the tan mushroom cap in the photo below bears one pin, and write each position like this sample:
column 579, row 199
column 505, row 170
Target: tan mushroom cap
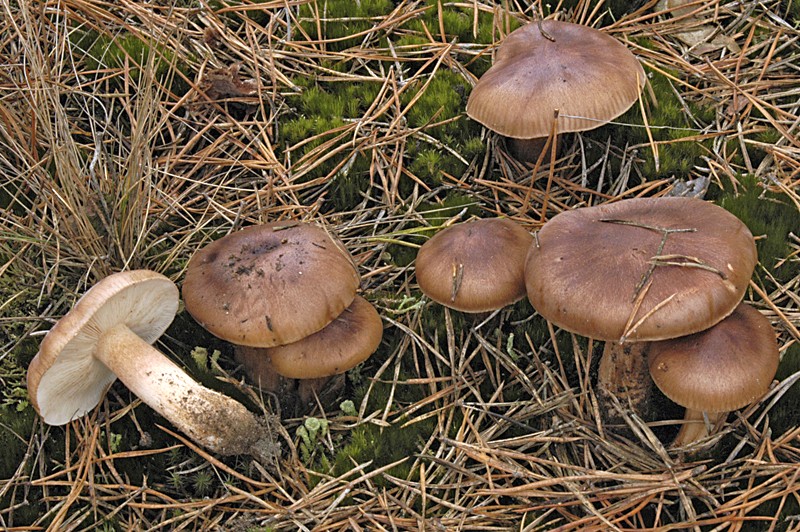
column 343, row 344
column 65, row 379
column 590, row 77
column 585, row 271
column 723, row 368
column 476, row 266
column 270, row 284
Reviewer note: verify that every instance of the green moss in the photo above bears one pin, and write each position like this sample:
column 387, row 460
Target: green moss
column 130, row 51
column 350, row 184
column 15, row 428
column 670, row 125
column 786, row 414
column 305, row 127
column 400, row 255
column 459, row 23
column 791, row 8
column 766, row 214
column 317, row 111
column 443, row 98
column 436, row 213
column 427, row 165
column 473, row 147
column 17, row 416
column 438, row 111
column 385, row 445
column 335, row 20
column 613, row 9
column 768, row 136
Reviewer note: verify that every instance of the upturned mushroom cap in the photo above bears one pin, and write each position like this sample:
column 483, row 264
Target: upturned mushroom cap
column 723, row 368
column 343, row 344
column 270, row 284
column 475, row 266
column 65, row 380
column 589, row 272
column 588, row 76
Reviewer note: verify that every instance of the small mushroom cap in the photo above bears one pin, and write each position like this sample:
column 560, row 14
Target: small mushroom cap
column 65, row 380
column 270, row 284
column 476, row 266
column 584, row 275
column 343, row 344
column 723, row 368
column 588, row 76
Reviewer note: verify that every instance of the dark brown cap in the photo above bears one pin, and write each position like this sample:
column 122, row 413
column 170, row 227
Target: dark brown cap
column 270, row 284
column 475, row 266
column 588, row 76
column 720, row 369
column 589, row 272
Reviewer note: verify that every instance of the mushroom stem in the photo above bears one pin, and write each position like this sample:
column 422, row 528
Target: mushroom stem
column 529, row 150
column 696, row 426
column 259, row 369
column 210, row 418
column 624, row 374
column 294, row 395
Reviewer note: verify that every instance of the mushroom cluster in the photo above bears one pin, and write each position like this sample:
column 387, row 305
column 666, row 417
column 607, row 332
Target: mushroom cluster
column 285, row 295
column 554, row 77
column 639, row 271
column 107, row 336
column 475, row 266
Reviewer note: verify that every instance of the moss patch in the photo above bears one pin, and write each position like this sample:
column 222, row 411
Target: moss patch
column 770, row 218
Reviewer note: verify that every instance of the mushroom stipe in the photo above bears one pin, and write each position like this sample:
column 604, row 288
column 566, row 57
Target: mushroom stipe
column 107, row 336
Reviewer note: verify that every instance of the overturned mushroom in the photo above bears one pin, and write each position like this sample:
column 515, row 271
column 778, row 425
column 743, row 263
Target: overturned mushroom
column 107, row 336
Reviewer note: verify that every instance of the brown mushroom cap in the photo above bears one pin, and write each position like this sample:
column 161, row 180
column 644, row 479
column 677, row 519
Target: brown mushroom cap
column 65, row 379
column 584, row 273
column 588, row 76
column 723, row 368
column 475, row 266
column 270, row 284
column 344, row 343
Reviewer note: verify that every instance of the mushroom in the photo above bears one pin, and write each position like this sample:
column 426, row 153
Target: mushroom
column 343, row 344
column 715, row 371
column 340, row 346
column 107, row 336
column 583, row 76
column 639, row 270
column 476, row 266
column 270, row 285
